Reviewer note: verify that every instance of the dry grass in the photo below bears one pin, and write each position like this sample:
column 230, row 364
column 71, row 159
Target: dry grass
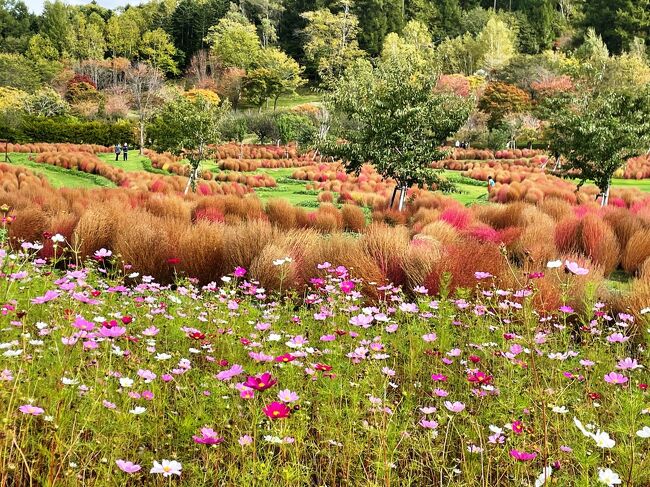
column 420, row 259
column 388, row 246
column 599, row 243
column 281, row 213
column 557, row 209
column 441, row 231
column 354, row 219
column 636, row 251
column 201, row 252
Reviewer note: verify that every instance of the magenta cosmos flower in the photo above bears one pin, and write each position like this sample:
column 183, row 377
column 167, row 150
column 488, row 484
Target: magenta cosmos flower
column 615, row 378
column 260, row 382
column 128, row 467
column 239, row 272
column 522, row 456
column 30, row 409
column 276, row 410
column 208, row 437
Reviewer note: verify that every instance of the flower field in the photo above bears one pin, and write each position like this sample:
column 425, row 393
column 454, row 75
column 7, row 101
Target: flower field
column 108, row 378
column 151, row 338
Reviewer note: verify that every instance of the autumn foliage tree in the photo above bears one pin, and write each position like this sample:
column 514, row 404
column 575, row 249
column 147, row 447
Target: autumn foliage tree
column 500, row 99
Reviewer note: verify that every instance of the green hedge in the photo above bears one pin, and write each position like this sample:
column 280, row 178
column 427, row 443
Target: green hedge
column 61, row 129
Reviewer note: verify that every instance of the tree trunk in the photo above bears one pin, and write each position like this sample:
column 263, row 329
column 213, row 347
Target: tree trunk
column 194, row 173
column 605, row 199
column 392, row 198
column 275, row 102
column 141, row 138
column 402, row 197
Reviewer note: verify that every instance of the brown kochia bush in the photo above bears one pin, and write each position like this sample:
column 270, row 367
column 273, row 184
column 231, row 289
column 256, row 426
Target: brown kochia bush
column 388, row 246
column 354, row 219
column 636, row 251
column 200, row 251
column 281, row 213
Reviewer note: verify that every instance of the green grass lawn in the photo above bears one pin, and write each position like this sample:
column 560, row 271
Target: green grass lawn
column 134, row 163
column 59, row 177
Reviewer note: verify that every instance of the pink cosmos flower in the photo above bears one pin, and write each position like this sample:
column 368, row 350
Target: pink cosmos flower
column 454, row 407
column 288, row 396
column 328, row 338
column 245, row 440
column 440, row 392
column 102, row 254
column 208, row 437
column 617, row 338
column 30, row 409
column 522, row 456
column 566, row 309
column 127, row 467
column 276, row 410
column 233, row 371
column 482, row 275
column 575, row 268
column 112, row 332
column 615, row 378
column 628, row 364
column 48, row 296
column 517, row 427
column 430, row 337
column 260, row 382
column 428, row 424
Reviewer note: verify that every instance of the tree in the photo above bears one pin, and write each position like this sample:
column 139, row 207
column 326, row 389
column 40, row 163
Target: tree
column 56, row 25
column 190, row 22
column 123, row 33
column 331, row 41
column 144, row 84
column 86, row 39
column 276, row 75
column 15, row 25
column 233, row 41
column 377, row 18
column 496, row 44
column 46, row 103
column 157, row 49
column 618, row 21
column 500, row 99
column 597, row 134
column 391, row 117
column 414, row 45
column 186, row 127
column 41, row 48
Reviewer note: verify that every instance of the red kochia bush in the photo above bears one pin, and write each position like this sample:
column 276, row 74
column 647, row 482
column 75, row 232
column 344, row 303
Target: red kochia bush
column 462, row 261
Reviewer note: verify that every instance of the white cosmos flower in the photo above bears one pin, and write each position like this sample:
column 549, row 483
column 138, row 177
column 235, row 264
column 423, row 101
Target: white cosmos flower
column 544, row 477
column 162, row 356
column 69, row 382
column 560, row 409
column 608, row 477
column 644, row 432
column 138, row 410
column 126, row 382
column 554, row 264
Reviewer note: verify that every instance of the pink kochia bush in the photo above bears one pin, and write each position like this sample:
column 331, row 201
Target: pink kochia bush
column 199, row 383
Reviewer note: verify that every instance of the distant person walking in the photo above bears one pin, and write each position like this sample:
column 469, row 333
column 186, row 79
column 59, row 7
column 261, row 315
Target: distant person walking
column 125, row 151
column 118, row 149
column 491, row 183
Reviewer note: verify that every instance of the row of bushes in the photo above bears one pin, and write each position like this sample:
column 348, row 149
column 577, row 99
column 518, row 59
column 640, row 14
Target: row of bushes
column 72, row 131
column 39, row 147
column 164, row 235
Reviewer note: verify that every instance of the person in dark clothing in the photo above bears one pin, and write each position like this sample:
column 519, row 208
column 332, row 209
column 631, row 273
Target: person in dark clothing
column 125, row 151
column 118, row 149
